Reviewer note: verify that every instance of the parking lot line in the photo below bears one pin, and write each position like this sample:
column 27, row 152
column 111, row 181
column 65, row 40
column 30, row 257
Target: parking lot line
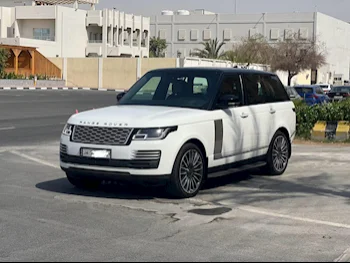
column 39, row 161
column 7, row 128
column 294, row 218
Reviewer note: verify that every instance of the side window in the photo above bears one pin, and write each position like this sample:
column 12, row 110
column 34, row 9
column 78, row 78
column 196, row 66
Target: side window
column 254, row 89
column 231, row 85
column 275, row 91
column 200, row 85
column 148, row 90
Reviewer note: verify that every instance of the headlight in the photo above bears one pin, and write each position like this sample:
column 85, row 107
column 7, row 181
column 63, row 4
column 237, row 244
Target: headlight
column 68, row 129
column 153, row 133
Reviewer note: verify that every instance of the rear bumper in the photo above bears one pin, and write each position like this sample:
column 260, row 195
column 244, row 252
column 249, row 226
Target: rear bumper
column 81, row 173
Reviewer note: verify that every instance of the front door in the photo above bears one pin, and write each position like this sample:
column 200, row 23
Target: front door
column 232, row 137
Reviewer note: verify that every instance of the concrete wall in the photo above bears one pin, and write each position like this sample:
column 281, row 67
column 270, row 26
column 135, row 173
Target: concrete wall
column 82, row 72
column 109, row 73
column 153, row 63
column 6, row 22
column 119, row 73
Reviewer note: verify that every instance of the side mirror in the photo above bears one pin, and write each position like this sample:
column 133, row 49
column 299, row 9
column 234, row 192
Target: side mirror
column 229, row 101
column 120, row 96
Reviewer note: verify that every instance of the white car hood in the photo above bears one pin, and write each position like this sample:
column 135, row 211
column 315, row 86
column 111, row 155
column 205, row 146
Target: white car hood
column 138, row 116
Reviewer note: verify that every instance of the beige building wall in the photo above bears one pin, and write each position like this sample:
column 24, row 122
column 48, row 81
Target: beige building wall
column 57, row 61
column 304, row 78
column 148, row 64
column 119, row 73
column 82, row 72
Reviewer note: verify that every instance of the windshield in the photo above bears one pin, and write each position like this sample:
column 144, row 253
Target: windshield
column 174, row 88
column 341, row 89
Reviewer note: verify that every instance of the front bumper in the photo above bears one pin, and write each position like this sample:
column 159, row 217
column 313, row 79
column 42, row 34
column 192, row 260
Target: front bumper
column 81, row 173
column 125, row 160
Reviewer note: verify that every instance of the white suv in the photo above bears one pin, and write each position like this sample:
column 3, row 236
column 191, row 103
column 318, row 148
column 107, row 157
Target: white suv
column 182, row 126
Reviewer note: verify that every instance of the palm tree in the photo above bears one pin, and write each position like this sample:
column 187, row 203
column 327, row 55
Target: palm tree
column 211, row 50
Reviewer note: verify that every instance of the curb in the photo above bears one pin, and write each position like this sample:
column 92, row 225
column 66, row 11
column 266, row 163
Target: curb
column 57, row 88
column 331, row 130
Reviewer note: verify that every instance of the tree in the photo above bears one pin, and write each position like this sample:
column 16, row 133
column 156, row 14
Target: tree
column 250, row 50
column 211, row 50
column 295, row 55
column 4, row 56
column 157, row 47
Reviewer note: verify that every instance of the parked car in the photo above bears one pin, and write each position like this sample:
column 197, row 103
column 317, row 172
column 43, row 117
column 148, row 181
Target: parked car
column 325, row 87
column 293, row 94
column 312, row 94
column 339, row 93
column 199, row 123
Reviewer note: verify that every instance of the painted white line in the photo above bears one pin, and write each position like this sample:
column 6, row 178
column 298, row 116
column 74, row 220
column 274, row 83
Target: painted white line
column 65, row 88
column 20, row 88
column 86, row 88
column 301, row 219
column 75, row 88
column 25, row 156
column 31, row 88
column 7, row 88
column 7, row 128
column 345, row 257
column 55, row 88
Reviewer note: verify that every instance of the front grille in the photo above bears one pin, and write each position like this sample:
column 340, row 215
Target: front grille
column 146, row 155
column 101, row 135
column 63, row 148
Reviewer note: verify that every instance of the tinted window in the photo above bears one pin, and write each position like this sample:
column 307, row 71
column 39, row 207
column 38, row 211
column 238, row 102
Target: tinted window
column 304, row 90
column 231, row 85
column 175, row 88
column 341, row 89
column 263, row 89
column 319, row 91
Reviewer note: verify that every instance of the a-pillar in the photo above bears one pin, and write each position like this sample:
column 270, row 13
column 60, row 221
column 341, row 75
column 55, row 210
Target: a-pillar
column 16, row 52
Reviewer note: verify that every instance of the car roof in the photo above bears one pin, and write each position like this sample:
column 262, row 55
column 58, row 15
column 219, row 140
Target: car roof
column 214, row 69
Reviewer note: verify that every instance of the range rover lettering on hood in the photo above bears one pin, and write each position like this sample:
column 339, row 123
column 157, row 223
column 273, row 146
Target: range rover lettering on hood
column 110, row 124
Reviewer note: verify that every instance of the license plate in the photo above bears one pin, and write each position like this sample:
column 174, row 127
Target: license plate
column 338, row 97
column 96, row 153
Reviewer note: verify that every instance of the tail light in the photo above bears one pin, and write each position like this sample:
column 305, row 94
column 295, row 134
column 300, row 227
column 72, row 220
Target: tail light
column 314, row 96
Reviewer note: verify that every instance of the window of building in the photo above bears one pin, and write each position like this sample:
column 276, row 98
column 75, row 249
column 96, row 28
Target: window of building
column 41, row 33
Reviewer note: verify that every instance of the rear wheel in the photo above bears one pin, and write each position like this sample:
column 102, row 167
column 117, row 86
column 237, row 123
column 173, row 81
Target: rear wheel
column 188, row 172
column 83, row 183
column 278, row 154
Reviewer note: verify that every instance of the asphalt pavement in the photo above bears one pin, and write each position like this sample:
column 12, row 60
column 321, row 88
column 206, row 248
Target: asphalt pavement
column 39, row 116
column 300, row 216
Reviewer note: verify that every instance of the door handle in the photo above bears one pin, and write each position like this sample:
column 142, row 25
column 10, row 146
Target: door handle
column 244, row 115
column 272, row 111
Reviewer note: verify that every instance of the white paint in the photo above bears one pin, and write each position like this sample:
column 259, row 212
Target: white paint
column 294, row 218
column 7, row 128
column 39, row 161
column 100, row 73
column 72, row 31
column 345, row 257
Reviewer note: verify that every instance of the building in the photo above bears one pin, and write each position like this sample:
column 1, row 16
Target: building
column 184, row 30
column 67, row 31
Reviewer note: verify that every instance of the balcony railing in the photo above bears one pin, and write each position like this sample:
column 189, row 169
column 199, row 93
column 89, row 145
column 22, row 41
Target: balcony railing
column 44, row 38
column 93, row 41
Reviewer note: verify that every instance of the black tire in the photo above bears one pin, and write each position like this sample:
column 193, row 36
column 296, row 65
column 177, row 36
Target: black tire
column 177, row 189
column 90, row 184
column 273, row 168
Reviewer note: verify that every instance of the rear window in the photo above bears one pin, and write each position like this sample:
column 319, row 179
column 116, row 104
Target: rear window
column 341, row 89
column 304, row 90
column 319, row 91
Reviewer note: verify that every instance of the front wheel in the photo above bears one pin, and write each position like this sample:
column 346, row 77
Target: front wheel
column 188, row 172
column 278, row 154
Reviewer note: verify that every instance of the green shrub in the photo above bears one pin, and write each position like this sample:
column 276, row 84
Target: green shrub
column 307, row 116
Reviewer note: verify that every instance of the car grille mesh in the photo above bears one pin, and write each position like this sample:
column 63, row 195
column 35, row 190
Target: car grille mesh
column 101, row 135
